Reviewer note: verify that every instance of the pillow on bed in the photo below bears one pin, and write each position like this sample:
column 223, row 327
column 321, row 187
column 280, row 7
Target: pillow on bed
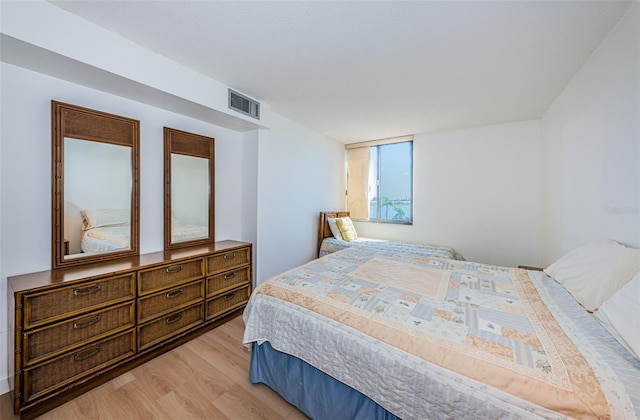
column 595, row 271
column 333, row 226
column 347, row 230
column 92, row 218
column 620, row 315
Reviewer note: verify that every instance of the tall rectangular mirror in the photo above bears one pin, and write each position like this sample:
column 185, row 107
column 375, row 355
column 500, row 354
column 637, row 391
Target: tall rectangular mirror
column 95, row 185
column 189, row 189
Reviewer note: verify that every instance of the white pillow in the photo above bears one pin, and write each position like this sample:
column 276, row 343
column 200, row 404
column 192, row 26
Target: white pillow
column 620, row 315
column 333, row 226
column 92, row 218
column 595, row 271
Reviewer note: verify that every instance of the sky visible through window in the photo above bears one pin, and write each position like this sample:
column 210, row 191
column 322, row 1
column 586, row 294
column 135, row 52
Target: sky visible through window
column 394, row 163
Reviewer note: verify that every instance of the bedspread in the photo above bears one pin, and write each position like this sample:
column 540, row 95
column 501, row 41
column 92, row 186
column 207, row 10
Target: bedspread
column 396, row 325
column 331, row 245
column 106, row 238
column 182, row 232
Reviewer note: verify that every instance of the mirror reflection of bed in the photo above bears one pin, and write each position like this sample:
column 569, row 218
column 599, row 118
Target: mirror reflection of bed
column 91, row 231
column 97, row 197
column 181, row 232
column 189, row 198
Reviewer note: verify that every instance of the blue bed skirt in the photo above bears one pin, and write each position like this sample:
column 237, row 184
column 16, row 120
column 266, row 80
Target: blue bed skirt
column 315, row 393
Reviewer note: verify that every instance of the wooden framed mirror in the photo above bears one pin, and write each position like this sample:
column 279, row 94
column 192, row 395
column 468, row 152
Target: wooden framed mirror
column 95, row 185
column 188, row 189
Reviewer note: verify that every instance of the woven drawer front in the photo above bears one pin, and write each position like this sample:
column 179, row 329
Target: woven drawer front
column 169, row 275
column 81, row 362
column 170, row 325
column 61, row 303
column 169, row 300
column 226, row 281
column 47, row 341
column 228, row 301
column 228, row 260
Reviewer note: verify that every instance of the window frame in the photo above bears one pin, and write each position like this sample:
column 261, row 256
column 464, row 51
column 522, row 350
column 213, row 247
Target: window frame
column 378, row 194
column 379, row 176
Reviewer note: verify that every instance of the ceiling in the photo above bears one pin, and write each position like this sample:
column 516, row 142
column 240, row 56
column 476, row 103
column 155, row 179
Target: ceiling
column 358, row 70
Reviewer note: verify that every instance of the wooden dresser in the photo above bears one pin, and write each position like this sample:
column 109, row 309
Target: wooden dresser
column 76, row 328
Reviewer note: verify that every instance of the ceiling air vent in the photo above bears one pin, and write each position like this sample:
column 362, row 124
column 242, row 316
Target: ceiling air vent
column 243, row 104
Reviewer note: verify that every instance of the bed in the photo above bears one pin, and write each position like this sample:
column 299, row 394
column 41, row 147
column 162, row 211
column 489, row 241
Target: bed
column 105, row 230
column 102, row 239
column 110, row 230
column 328, row 243
column 181, row 232
column 367, row 333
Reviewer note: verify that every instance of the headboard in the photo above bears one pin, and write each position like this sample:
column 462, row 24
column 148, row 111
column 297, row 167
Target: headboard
column 323, row 226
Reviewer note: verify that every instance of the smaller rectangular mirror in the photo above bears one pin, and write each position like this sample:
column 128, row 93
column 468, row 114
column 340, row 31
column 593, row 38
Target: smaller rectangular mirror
column 189, row 189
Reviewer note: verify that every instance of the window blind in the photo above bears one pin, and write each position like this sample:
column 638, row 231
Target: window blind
column 358, row 182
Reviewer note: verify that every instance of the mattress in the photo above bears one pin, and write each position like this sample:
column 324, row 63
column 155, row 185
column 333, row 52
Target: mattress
column 426, row 337
column 331, row 245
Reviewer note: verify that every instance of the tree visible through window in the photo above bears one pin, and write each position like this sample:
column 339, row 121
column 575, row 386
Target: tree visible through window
column 380, row 181
column 390, row 182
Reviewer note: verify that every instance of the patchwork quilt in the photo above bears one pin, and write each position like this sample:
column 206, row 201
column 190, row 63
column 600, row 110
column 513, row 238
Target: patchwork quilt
column 419, row 334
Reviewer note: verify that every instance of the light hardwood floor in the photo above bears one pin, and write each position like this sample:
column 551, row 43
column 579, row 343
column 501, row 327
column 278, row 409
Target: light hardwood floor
column 206, row 378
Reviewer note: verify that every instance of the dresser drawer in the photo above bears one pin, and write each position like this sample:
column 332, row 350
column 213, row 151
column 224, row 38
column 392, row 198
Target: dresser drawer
column 169, row 275
column 231, row 300
column 169, row 300
column 170, row 325
column 228, row 260
column 53, row 305
column 226, row 281
column 63, row 370
column 45, row 342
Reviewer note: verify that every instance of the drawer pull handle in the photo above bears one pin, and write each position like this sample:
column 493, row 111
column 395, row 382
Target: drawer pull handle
column 78, row 326
column 174, row 293
column 85, row 354
column 173, row 318
column 229, row 276
column 229, row 256
column 83, row 291
column 230, row 296
column 174, row 269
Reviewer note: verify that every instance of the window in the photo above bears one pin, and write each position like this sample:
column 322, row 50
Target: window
column 380, row 180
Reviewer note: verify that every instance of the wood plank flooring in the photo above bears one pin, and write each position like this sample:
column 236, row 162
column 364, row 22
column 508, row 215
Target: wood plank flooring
column 206, row 378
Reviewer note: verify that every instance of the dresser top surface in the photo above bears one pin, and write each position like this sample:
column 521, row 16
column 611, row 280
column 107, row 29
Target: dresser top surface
column 25, row 282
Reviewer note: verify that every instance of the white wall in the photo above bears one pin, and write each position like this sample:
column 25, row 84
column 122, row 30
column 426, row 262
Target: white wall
column 249, row 208
column 300, row 173
column 25, row 172
column 477, row 191
column 591, row 149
